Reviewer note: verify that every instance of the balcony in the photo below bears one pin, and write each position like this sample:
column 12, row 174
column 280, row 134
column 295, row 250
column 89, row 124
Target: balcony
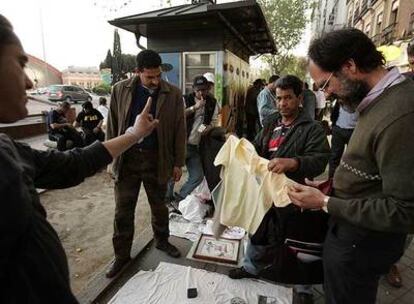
column 411, row 26
column 356, row 15
column 389, row 33
column 376, row 39
column 364, row 7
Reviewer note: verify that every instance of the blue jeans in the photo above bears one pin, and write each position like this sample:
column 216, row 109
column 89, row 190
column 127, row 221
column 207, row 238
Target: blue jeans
column 195, row 174
column 253, row 263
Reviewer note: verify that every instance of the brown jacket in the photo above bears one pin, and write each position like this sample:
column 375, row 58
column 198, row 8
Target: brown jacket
column 171, row 130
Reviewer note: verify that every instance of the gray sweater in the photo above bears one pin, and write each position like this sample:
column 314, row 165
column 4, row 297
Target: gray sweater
column 374, row 184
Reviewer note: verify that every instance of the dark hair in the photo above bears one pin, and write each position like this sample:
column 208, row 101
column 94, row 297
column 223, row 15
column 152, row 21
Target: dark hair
column 87, row 105
column 410, row 48
column 258, row 82
column 273, row 78
column 306, row 85
column 290, row 82
column 7, row 36
column 102, row 101
column 64, row 105
column 148, row 59
column 333, row 49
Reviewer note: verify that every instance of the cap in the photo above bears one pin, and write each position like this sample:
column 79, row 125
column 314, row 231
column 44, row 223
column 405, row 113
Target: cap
column 209, row 76
column 200, row 82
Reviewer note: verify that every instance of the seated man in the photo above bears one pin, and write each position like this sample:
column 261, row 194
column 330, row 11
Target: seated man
column 297, row 146
column 90, row 120
column 60, row 130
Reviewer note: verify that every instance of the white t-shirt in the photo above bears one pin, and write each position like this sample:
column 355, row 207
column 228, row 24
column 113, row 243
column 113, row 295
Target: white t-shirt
column 320, row 99
column 104, row 111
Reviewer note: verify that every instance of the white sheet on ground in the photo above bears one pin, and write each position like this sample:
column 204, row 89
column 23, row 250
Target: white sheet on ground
column 169, row 282
column 234, row 233
column 183, row 228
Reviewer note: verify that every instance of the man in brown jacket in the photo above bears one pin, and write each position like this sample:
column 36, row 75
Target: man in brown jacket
column 155, row 160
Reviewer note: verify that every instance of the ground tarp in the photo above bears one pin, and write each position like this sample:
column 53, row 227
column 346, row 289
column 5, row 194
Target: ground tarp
column 168, row 284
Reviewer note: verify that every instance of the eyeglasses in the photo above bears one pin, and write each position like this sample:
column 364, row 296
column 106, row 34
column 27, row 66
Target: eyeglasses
column 326, row 84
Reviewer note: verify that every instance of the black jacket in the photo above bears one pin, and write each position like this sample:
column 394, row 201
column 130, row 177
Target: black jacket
column 33, row 264
column 208, row 110
column 306, row 141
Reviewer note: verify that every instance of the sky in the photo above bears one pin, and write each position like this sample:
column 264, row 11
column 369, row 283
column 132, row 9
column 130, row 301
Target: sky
column 76, row 32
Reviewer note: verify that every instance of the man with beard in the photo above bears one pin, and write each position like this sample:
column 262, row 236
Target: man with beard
column 372, row 202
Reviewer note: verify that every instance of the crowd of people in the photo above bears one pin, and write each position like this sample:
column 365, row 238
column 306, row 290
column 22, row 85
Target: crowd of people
column 344, row 232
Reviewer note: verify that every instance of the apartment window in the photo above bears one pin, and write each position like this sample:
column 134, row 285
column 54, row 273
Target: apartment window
column 379, row 23
column 368, row 29
column 196, row 64
column 394, row 12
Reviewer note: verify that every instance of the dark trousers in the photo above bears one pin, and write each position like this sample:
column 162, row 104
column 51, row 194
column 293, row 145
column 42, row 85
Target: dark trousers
column 62, row 136
column 354, row 259
column 89, row 136
column 138, row 167
column 252, row 122
column 340, row 138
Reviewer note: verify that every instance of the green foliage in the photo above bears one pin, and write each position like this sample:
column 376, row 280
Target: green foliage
column 129, row 63
column 107, row 63
column 287, row 22
column 102, row 89
column 116, row 68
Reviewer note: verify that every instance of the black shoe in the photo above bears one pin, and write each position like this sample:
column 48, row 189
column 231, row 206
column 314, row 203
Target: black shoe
column 168, row 248
column 116, row 267
column 303, row 298
column 241, row 273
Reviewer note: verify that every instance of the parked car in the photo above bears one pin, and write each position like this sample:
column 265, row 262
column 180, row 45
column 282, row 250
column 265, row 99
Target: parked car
column 68, row 93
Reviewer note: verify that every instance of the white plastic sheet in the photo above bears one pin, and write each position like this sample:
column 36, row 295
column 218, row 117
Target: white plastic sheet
column 169, row 282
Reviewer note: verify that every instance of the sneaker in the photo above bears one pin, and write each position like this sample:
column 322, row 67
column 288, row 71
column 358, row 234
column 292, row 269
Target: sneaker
column 168, row 248
column 241, row 273
column 116, row 266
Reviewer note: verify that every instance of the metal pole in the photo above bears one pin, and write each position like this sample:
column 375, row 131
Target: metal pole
column 43, row 44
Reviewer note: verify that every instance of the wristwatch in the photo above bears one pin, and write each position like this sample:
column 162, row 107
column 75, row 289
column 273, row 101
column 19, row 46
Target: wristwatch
column 325, row 203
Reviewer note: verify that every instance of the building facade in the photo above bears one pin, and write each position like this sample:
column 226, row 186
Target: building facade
column 41, row 73
column 385, row 21
column 328, row 15
column 86, row 77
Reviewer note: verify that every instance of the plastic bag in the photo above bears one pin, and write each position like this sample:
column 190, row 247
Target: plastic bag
column 202, row 191
column 193, row 209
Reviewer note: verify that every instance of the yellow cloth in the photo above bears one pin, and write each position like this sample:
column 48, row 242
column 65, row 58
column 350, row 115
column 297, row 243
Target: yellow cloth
column 249, row 189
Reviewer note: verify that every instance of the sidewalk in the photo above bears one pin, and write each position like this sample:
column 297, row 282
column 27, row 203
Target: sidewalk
column 386, row 293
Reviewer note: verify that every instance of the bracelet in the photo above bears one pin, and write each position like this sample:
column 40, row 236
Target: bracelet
column 130, row 131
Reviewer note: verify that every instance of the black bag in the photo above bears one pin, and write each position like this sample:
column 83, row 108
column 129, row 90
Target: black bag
column 293, row 231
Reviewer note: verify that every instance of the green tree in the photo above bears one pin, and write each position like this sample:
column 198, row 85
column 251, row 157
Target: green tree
column 116, row 67
column 129, row 63
column 102, row 89
column 287, row 22
column 107, row 63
